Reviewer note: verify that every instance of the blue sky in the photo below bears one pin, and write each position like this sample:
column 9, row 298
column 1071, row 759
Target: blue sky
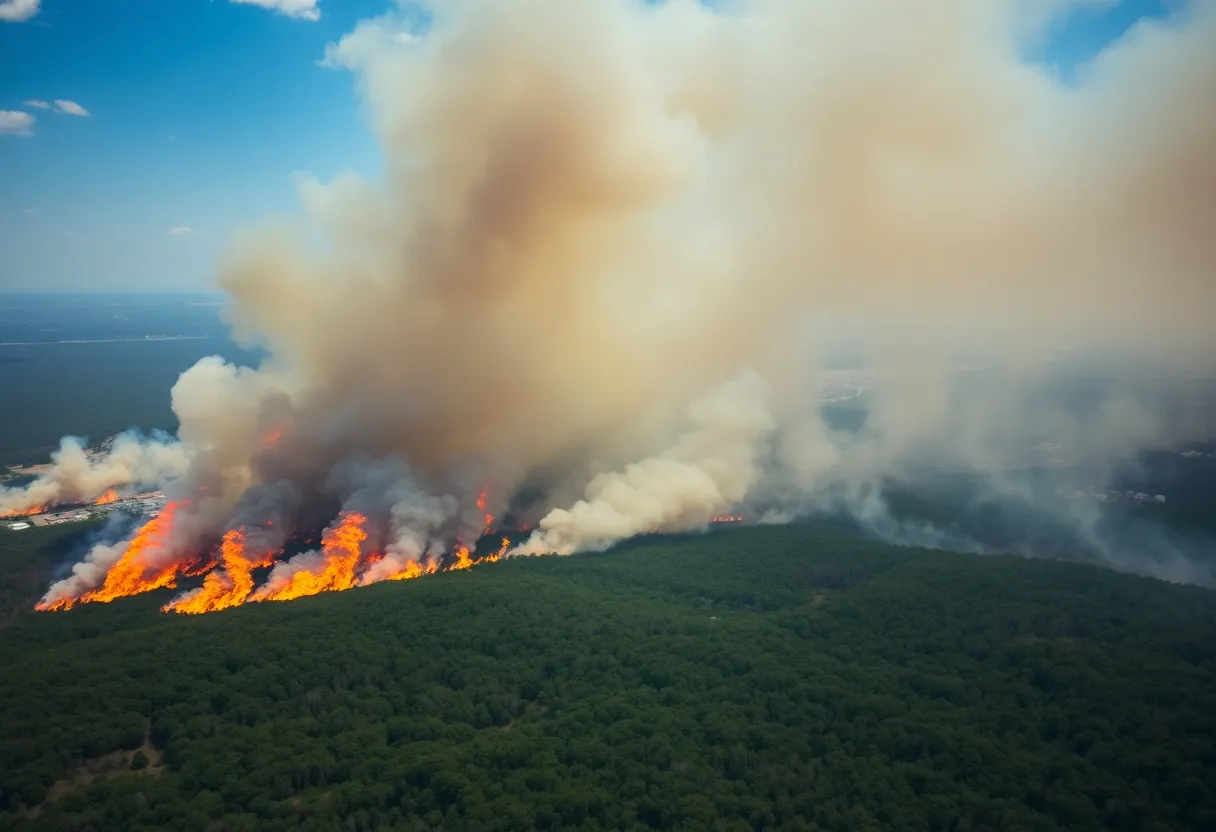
column 199, row 112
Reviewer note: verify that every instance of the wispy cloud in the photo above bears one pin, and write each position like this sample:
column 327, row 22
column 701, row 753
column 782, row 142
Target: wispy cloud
column 187, row 231
column 34, row 102
column 15, row 11
column 15, row 122
column 299, row 9
column 70, row 108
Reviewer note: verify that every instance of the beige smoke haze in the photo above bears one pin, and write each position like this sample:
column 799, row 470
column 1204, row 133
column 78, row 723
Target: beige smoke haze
column 74, row 478
column 595, row 213
column 710, row 469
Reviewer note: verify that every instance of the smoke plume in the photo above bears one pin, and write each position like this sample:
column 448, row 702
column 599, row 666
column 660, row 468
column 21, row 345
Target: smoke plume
column 593, row 214
column 75, row 478
column 709, row 470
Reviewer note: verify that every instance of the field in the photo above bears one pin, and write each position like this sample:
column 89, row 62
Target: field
column 753, row 678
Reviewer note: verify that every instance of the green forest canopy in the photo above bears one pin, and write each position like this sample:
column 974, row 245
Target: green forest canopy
column 753, row 678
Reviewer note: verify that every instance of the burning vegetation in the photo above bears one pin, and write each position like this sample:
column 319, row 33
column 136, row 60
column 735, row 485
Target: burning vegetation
column 605, row 257
column 227, row 585
column 136, row 569
column 343, row 561
column 25, row 511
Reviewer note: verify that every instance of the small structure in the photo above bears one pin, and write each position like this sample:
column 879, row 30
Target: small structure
column 18, row 526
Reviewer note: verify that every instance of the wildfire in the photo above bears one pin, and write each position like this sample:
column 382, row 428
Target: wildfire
column 228, row 572
column 463, row 561
column 228, row 587
column 340, row 547
column 500, row 554
column 134, row 573
column 413, row 569
column 488, row 520
column 24, row 512
column 109, row 497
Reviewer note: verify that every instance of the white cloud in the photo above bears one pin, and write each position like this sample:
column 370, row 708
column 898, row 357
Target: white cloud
column 190, row 231
column 15, row 122
column 15, row 11
column 70, row 108
column 61, row 105
column 301, row 9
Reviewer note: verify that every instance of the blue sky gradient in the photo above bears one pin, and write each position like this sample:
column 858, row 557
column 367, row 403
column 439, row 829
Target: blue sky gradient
column 200, row 113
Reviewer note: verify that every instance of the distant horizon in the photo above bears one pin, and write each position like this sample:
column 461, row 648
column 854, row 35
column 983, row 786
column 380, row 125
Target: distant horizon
column 110, row 292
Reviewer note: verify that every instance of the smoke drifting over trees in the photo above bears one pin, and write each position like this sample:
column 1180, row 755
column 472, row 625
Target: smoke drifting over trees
column 596, row 215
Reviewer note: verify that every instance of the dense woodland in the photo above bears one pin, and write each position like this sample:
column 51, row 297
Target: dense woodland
column 752, row 678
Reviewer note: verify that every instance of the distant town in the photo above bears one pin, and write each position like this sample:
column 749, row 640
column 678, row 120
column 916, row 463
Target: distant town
column 1198, row 455
column 1109, row 496
column 148, row 503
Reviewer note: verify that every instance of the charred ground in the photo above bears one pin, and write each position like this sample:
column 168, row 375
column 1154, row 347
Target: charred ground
column 753, row 678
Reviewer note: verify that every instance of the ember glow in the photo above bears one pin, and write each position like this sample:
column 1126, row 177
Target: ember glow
column 487, row 522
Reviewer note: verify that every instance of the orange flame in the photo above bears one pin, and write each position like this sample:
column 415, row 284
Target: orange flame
column 498, row 555
column 340, row 547
column 228, row 580
column 109, row 497
column 228, row 587
column 133, row 574
column 61, row 604
column 413, row 569
column 24, row 512
column 488, row 521
column 463, row 561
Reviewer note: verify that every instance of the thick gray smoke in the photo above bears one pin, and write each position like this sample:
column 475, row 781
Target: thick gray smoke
column 593, row 214
column 404, row 521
